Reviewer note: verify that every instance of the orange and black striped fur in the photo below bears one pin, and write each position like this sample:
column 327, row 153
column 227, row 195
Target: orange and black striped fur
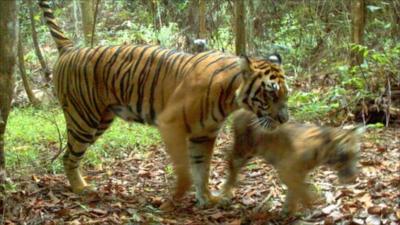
column 186, row 96
column 294, row 150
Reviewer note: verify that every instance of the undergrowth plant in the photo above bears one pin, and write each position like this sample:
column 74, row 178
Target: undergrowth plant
column 33, row 138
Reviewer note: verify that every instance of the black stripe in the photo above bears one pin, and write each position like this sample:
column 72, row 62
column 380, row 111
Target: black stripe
column 161, row 60
column 52, row 23
column 80, row 137
column 176, row 63
column 221, row 102
column 216, row 72
column 200, row 139
column 58, row 36
column 143, row 77
column 48, row 14
column 133, row 69
column 125, row 82
column 76, row 154
column 44, row 4
column 83, row 111
column 188, row 129
column 202, row 112
column 213, row 116
column 229, row 88
column 250, row 87
column 170, row 59
column 86, row 82
column 131, row 72
column 114, row 77
column 187, row 62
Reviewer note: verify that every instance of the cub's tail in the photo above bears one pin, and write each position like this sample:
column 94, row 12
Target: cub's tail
column 59, row 38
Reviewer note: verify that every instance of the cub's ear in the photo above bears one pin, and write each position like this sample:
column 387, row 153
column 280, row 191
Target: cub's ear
column 275, row 58
column 245, row 66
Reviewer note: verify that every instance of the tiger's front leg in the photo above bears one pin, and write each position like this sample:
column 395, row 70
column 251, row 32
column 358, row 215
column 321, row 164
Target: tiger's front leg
column 200, row 152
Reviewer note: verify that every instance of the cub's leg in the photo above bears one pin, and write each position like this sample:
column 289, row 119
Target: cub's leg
column 294, row 181
column 236, row 160
column 200, row 150
column 80, row 136
column 298, row 190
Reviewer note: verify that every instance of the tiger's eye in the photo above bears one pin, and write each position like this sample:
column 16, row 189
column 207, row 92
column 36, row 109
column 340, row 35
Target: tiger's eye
column 272, row 77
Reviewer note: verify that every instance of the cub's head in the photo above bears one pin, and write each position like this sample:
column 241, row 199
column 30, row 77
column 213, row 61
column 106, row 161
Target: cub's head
column 264, row 90
column 344, row 151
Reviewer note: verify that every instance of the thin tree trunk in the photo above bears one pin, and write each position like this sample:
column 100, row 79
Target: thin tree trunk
column 38, row 52
column 76, row 10
column 202, row 20
column 94, row 23
column 240, row 42
column 21, row 64
column 193, row 26
column 250, row 27
column 8, row 53
column 396, row 21
column 358, row 23
column 87, row 19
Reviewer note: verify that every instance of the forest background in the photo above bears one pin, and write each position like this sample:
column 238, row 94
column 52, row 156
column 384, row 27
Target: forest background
column 342, row 60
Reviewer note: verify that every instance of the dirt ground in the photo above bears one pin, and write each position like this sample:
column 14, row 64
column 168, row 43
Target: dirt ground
column 131, row 190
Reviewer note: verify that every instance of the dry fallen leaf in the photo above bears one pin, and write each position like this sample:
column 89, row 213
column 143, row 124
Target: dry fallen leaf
column 327, row 210
column 374, row 210
column 373, row 220
column 366, row 199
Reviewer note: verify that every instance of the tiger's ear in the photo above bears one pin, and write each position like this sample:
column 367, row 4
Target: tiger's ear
column 275, row 58
column 245, row 66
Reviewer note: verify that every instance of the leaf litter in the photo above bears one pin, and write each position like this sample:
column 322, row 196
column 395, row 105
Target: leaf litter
column 132, row 190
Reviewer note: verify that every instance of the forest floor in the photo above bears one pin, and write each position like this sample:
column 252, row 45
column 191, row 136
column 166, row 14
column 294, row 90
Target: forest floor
column 130, row 191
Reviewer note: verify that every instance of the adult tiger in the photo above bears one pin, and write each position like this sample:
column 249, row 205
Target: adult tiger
column 187, row 96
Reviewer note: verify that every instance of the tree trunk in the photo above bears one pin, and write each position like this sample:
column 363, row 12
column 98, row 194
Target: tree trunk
column 396, row 21
column 240, row 36
column 192, row 26
column 38, row 52
column 8, row 53
column 87, row 10
column 21, row 64
column 250, row 28
column 76, row 10
column 358, row 23
column 202, row 20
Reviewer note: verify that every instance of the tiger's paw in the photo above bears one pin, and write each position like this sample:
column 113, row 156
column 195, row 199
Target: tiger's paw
column 225, row 198
column 208, row 200
column 84, row 190
column 168, row 205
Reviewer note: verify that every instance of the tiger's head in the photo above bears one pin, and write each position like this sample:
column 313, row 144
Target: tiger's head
column 264, row 90
column 344, row 152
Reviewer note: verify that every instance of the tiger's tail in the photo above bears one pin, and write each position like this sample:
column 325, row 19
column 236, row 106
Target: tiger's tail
column 59, row 38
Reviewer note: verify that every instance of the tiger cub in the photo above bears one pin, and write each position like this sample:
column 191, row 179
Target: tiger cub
column 294, row 150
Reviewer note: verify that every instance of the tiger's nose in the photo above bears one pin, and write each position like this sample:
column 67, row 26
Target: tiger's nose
column 283, row 117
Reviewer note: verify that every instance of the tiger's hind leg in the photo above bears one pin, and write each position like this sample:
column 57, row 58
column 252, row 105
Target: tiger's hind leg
column 79, row 139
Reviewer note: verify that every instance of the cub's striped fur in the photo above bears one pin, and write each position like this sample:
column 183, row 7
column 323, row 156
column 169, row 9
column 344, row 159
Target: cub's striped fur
column 187, row 96
column 294, row 150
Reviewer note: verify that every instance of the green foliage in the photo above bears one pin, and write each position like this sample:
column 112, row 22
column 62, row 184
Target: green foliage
column 167, row 35
column 32, row 140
